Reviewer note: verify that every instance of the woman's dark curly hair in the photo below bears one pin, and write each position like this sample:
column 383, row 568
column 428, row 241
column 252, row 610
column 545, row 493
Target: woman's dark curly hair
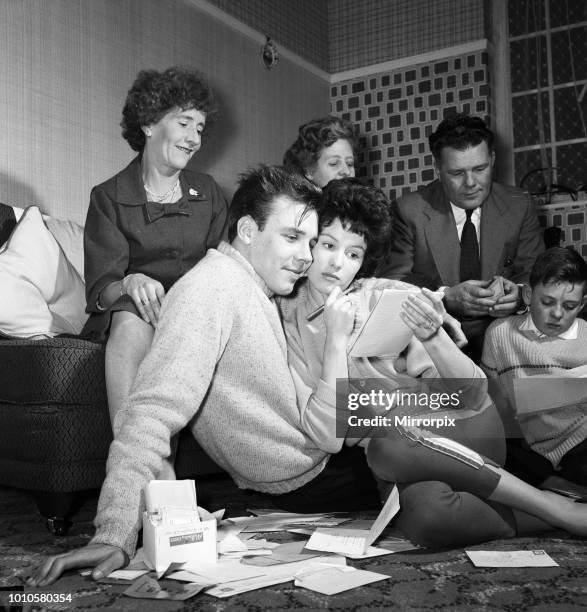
column 361, row 209
column 313, row 138
column 154, row 93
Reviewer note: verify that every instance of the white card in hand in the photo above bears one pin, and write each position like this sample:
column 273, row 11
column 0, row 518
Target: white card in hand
column 384, row 333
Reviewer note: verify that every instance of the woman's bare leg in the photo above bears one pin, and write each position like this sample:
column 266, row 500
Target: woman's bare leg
column 554, row 509
column 129, row 341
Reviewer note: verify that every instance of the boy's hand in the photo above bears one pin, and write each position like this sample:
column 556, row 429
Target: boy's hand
column 509, row 302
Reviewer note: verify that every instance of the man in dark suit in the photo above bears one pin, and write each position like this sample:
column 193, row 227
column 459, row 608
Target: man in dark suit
column 463, row 230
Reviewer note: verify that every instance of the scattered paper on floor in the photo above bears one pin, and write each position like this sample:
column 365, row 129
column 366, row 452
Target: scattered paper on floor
column 511, row 558
column 333, row 580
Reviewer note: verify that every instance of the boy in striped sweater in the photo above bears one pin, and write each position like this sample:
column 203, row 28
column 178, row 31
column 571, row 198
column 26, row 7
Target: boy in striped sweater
column 547, row 340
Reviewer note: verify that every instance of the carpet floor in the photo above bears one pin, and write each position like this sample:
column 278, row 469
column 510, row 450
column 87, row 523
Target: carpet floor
column 420, row 580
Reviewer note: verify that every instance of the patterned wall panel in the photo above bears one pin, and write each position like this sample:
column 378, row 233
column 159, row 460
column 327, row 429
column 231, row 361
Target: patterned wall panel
column 396, row 111
column 367, row 32
column 571, row 217
column 299, row 25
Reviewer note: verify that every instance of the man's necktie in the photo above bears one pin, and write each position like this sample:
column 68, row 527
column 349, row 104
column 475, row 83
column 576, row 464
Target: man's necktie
column 470, row 264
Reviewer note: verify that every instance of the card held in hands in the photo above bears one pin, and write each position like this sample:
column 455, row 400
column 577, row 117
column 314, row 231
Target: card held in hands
column 497, row 288
column 384, row 333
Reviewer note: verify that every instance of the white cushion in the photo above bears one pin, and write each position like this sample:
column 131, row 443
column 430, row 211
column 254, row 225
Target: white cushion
column 42, row 294
column 70, row 237
column 18, row 212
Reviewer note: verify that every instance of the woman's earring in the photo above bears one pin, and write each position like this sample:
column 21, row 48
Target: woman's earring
column 148, row 132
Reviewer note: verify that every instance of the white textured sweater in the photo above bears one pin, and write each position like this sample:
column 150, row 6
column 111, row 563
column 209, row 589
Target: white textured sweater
column 219, row 362
column 510, row 352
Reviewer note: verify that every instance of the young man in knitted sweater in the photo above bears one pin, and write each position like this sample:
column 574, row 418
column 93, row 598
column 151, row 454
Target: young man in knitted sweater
column 547, row 340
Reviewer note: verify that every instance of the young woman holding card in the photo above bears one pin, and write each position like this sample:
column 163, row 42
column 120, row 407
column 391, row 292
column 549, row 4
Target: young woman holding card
column 450, row 494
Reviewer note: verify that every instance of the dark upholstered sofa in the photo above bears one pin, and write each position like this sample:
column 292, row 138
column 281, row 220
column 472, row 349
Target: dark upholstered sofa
column 54, row 424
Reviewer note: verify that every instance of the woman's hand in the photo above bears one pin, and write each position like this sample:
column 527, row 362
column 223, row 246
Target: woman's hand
column 451, row 325
column 104, row 558
column 424, row 314
column 147, row 294
column 339, row 316
column 455, row 331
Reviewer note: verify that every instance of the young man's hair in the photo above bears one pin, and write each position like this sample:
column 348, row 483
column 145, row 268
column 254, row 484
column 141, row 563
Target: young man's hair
column 258, row 189
column 460, row 132
column 361, row 209
column 559, row 265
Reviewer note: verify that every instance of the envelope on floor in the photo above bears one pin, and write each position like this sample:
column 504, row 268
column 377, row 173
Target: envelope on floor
column 333, row 580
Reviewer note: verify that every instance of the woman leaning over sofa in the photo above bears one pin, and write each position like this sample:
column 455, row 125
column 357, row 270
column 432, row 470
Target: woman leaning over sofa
column 324, row 150
column 151, row 222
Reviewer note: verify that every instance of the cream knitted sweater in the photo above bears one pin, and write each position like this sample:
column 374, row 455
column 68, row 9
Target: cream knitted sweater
column 218, row 362
column 510, row 352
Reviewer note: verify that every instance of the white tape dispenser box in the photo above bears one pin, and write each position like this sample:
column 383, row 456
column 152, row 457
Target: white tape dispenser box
column 173, row 532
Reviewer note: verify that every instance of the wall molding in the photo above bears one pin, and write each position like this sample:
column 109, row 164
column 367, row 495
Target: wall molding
column 258, row 37
column 412, row 60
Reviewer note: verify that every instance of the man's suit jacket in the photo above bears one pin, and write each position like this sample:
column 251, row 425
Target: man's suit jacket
column 425, row 243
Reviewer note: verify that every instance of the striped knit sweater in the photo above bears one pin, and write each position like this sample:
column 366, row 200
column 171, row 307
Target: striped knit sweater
column 510, row 353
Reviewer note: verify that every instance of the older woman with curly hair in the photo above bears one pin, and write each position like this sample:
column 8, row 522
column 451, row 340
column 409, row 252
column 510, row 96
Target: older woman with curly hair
column 324, row 150
column 151, row 222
